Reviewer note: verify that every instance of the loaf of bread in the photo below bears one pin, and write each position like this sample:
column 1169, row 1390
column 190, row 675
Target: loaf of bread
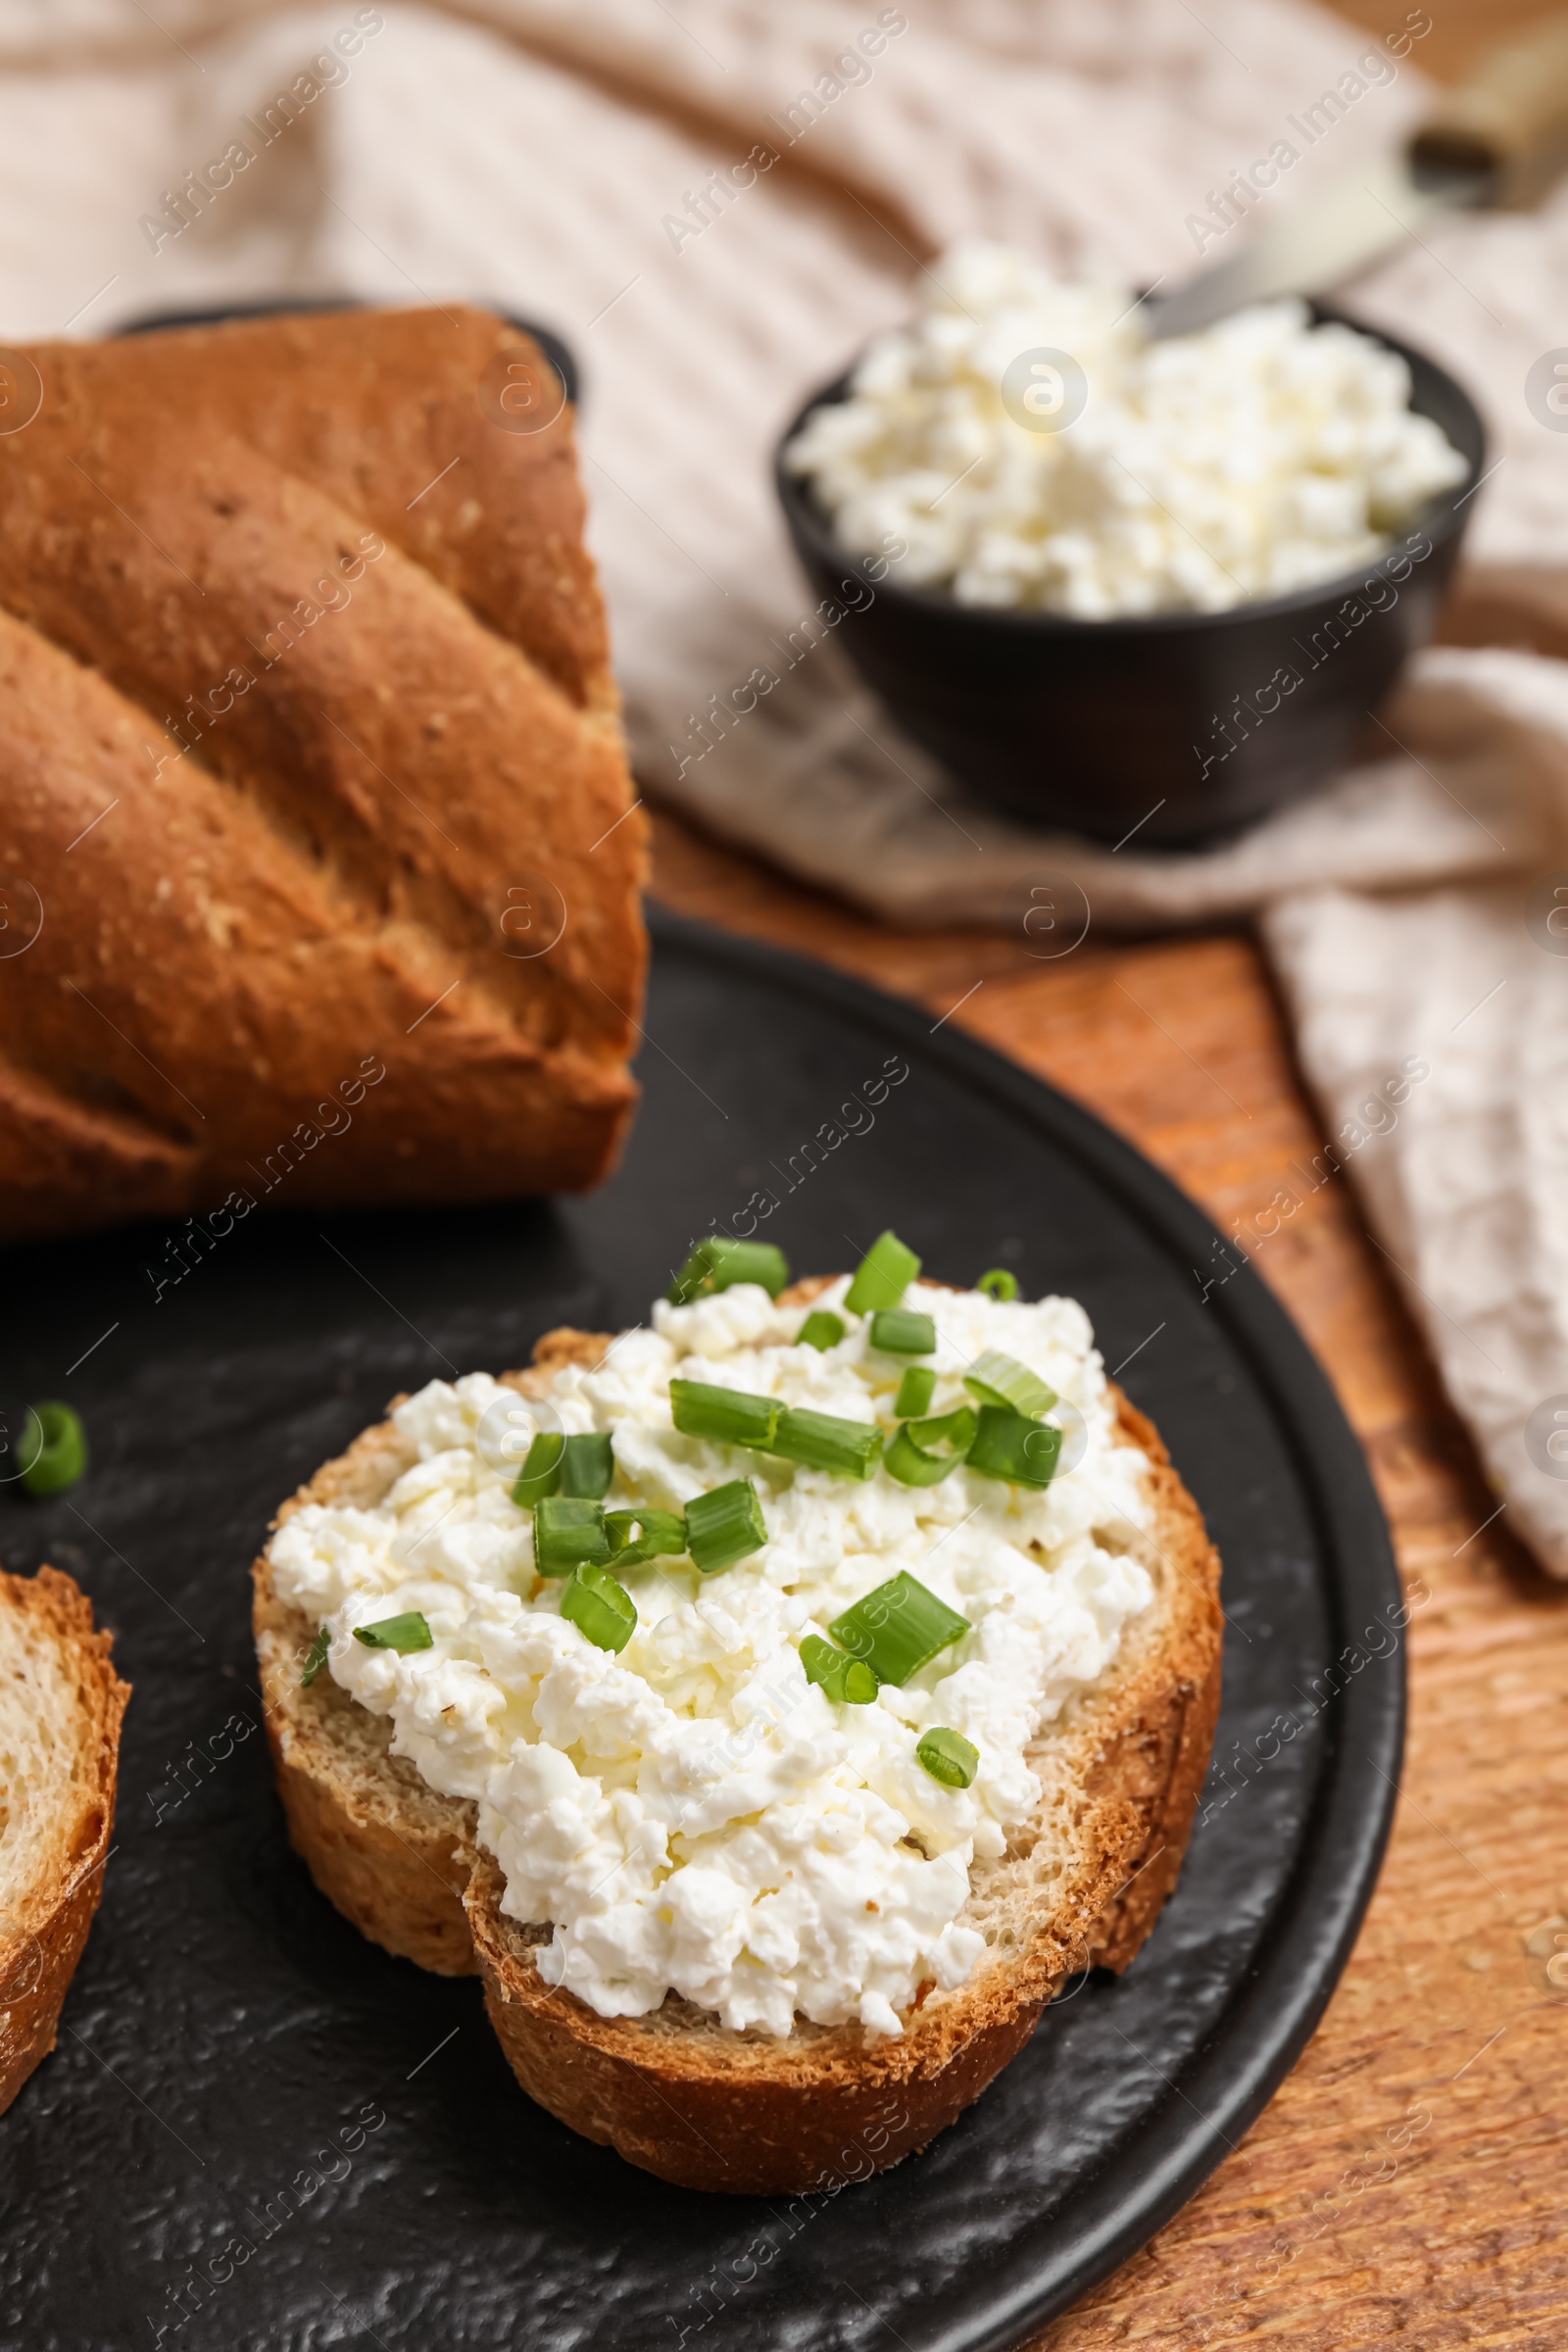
column 61, row 1703
column 319, row 855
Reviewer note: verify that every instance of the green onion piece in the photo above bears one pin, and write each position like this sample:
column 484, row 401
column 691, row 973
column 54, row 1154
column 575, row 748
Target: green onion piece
column 849, row 1681
column 898, row 1629
column 569, row 1530
column 724, row 1525
column 915, row 1391
column 994, row 1379
column 587, row 1464
column 728, row 1416
column 53, row 1451
column 820, row 1329
column 899, row 1331
column 824, row 1442
column 922, row 1453
column 999, row 1284
column 603, row 1611
column 949, row 1757
column 540, row 1474
column 717, row 1263
column 315, row 1658
column 1010, row 1446
column 402, row 1634
column 882, row 1276
column 660, row 1534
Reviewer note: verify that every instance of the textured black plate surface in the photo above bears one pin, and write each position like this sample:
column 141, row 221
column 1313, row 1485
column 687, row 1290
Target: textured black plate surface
column 259, row 2131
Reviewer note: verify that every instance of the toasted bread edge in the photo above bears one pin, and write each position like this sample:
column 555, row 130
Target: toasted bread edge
column 44, row 1931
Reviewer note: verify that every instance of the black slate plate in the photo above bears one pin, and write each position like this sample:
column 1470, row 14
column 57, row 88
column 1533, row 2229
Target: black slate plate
column 259, row 2131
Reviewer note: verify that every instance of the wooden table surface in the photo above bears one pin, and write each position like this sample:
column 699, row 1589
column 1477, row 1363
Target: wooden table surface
column 1407, row 2180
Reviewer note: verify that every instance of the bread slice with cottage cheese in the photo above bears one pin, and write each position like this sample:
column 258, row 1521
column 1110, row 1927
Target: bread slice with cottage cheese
column 676, row 2091
column 61, row 1703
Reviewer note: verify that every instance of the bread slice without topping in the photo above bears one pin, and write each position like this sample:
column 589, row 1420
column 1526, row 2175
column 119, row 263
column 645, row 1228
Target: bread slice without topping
column 1081, row 1884
column 61, row 1704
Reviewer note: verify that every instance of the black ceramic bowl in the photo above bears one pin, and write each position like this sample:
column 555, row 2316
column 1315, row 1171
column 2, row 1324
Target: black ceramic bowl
column 1187, row 726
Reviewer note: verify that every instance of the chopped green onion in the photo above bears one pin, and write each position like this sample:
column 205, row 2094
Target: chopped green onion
column 408, row 1632
column 999, row 1284
column 848, row 1679
column 724, row 1525
column 825, row 1441
column 949, row 1757
column 540, row 1474
column 717, row 1263
column 922, row 1453
column 315, row 1658
column 882, row 1276
column 603, row 1611
column 660, row 1534
column 727, row 1416
column 569, row 1530
column 899, row 1331
column 587, row 1464
column 820, row 1329
column 53, row 1452
column 898, row 1629
column 1010, row 1446
column 994, row 1379
column 915, row 1391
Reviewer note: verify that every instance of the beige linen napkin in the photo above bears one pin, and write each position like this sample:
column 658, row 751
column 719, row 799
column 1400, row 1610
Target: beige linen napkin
column 602, row 166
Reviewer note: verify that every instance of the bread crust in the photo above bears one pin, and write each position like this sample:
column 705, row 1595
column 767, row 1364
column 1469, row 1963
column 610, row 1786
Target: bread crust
column 502, row 529
column 45, row 1927
column 320, row 779
column 392, row 1854
column 684, row 2097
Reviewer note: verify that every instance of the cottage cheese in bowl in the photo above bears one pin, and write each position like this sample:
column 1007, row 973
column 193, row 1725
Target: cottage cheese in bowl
column 1034, row 450
column 690, row 1811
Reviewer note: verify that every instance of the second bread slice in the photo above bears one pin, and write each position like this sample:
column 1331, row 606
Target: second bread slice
column 61, row 1704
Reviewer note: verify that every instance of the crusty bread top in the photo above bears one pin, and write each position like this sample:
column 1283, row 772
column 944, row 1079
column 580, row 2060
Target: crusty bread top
column 366, row 406
column 398, row 845
column 61, row 1703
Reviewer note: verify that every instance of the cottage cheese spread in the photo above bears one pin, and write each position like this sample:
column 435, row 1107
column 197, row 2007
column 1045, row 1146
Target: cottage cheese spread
column 1251, row 459
column 692, row 1813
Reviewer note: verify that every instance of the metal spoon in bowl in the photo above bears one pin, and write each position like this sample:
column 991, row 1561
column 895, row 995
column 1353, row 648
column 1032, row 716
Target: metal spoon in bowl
column 1497, row 142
